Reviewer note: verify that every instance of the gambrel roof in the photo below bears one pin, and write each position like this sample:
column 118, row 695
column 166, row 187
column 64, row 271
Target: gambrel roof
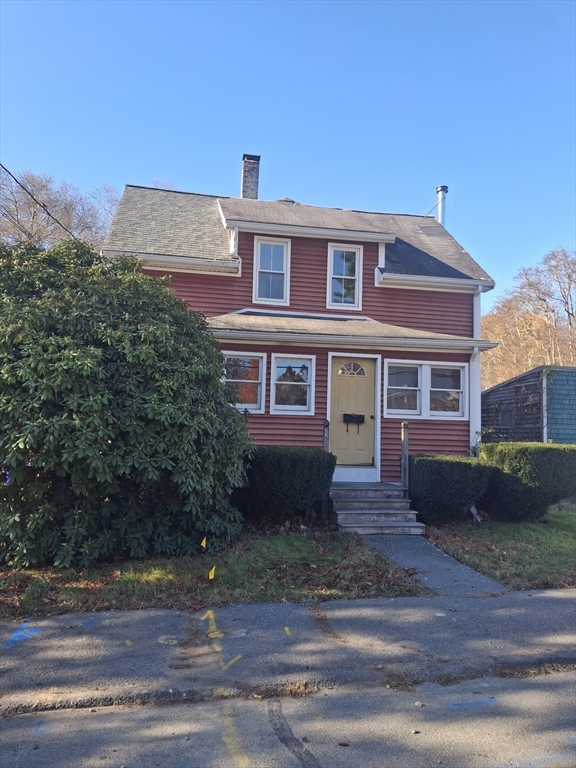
column 181, row 225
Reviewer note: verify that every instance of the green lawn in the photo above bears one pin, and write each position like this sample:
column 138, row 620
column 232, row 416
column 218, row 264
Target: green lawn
column 538, row 555
column 303, row 567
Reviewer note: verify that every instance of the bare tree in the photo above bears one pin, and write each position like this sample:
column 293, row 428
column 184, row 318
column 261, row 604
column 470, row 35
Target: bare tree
column 52, row 212
column 106, row 198
column 534, row 323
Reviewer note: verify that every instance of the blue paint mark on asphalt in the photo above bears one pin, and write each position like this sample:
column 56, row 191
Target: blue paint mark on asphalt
column 23, row 632
column 476, row 703
column 41, row 728
column 89, row 623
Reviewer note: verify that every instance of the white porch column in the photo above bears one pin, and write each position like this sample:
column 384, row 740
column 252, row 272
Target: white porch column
column 474, row 386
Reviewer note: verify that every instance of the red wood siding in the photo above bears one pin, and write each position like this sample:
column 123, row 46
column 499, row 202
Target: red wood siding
column 290, row 429
column 426, row 436
column 436, row 311
column 210, row 294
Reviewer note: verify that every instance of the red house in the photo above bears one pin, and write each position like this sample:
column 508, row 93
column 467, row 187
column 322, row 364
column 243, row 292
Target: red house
column 360, row 319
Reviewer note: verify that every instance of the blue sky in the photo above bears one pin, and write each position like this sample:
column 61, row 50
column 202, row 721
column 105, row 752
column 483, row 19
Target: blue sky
column 366, row 105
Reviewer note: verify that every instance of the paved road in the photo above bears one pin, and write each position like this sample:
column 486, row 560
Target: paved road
column 485, row 723
column 123, row 657
column 71, row 686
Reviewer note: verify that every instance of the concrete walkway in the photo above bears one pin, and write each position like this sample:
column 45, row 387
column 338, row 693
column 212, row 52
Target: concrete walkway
column 436, row 571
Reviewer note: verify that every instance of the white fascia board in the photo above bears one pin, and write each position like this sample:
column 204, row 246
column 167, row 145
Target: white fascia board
column 423, row 282
column 333, row 340
column 182, row 263
column 291, row 230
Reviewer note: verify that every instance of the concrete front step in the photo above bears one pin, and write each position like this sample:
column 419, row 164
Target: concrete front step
column 394, row 528
column 365, row 491
column 347, row 517
column 362, row 504
column 378, row 508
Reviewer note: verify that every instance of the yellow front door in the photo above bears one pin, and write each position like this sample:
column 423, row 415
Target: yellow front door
column 352, row 411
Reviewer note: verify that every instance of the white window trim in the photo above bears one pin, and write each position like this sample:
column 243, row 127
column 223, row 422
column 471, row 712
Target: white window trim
column 285, row 302
column 424, row 379
column 263, row 358
column 359, row 261
column 292, row 410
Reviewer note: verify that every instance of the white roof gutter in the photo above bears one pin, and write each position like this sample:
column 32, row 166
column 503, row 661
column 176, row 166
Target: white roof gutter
column 337, row 340
column 424, row 282
column 183, row 263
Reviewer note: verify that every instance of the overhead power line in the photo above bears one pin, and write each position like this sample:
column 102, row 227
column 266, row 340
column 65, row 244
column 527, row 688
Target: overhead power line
column 42, row 205
column 15, row 223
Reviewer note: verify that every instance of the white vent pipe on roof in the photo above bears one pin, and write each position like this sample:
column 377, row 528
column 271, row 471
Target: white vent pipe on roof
column 442, row 192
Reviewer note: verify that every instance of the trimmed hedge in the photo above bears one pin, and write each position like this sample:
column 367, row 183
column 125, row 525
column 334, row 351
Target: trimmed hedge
column 527, row 479
column 286, row 481
column 442, row 488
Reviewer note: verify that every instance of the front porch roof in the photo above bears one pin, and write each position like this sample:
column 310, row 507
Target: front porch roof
column 311, row 330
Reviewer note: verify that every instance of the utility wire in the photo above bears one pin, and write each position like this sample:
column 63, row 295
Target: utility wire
column 15, row 223
column 42, row 205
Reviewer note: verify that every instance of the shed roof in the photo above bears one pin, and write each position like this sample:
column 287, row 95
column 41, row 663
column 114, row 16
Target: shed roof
column 250, row 324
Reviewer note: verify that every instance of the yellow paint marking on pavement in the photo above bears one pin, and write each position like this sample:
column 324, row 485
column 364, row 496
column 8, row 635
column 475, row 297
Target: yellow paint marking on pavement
column 319, row 722
column 232, row 739
column 215, row 634
column 211, row 616
column 287, row 630
column 224, row 667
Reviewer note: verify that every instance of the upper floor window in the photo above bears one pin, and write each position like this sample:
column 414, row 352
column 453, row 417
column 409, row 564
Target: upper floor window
column 427, row 390
column 271, row 271
column 344, row 277
column 246, row 374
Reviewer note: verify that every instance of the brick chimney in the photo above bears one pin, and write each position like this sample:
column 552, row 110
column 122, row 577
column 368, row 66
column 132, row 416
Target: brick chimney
column 250, row 173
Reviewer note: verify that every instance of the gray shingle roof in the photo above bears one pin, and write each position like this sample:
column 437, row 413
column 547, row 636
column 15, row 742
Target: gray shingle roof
column 167, row 223
column 163, row 222
column 371, row 332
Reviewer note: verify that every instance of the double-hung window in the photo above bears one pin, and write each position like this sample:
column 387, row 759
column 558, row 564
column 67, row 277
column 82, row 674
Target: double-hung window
column 271, row 271
column 292, row 384
column 246, row 373
column 425, row 390
column 403, row 392
column 344, row 277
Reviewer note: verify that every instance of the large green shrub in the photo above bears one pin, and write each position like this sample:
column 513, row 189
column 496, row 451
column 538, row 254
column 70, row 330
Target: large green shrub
column 287, row 481
column 528, row 478
column 115, row 425
column 442, row 488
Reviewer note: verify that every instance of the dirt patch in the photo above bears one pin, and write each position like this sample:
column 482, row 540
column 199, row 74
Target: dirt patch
column 322, row 623
column 295, row 690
